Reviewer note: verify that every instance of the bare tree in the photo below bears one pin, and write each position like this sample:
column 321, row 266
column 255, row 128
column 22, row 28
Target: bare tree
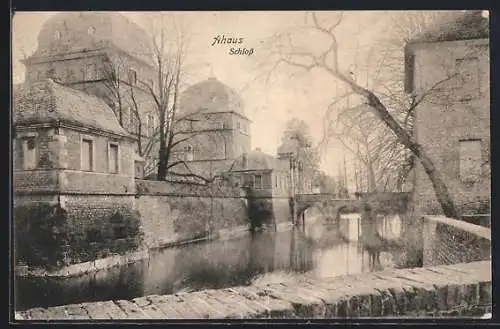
column 133, row 96
column 298, row 138
column 386, row 161
column 282, row 47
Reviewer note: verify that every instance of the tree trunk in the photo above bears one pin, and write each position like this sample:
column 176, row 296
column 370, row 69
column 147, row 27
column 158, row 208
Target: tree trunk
column 162, row 165
column 443, row 196
column 372, row 184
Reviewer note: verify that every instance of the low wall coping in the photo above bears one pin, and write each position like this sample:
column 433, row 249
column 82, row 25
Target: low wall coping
column 478, row 230
column 441, row 288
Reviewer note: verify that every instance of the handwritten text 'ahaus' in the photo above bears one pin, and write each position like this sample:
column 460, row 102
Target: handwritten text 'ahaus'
column 223, row 40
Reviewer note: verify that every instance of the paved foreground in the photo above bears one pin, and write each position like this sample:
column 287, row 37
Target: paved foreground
column 451, row 290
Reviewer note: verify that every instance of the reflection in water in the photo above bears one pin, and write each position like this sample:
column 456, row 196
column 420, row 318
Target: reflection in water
column 320, row 250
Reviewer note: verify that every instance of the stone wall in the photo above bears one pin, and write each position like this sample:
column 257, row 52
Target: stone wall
column 462, row 290
column 446, row 242
column 450, row 113
column 84, row 209
column 176, row 212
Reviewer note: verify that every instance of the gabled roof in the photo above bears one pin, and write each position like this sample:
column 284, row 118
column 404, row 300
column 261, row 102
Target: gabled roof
column 49, row 102
column 258, row 160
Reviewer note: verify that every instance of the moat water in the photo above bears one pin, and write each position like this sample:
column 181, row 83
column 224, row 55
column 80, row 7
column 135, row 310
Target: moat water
column 319, row 249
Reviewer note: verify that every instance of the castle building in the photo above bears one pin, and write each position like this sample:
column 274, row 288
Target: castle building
column 102, row 54
column 212, row 128
column 69, row 149
column 108, row 56
column 448, row 68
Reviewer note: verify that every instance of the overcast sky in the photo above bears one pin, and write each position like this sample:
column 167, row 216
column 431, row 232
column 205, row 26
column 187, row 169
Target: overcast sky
column 268, row 105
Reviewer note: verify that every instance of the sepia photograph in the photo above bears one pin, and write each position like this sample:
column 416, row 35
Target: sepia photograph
column 250, row 165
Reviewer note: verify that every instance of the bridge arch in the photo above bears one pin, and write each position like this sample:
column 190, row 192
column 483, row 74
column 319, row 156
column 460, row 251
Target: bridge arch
column 381, row 202
column 328, row 201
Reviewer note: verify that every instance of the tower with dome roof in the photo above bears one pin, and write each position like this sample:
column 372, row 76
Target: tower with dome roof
column 217, row 131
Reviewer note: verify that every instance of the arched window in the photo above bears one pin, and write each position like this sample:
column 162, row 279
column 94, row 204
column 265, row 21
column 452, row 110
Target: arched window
column 91, row 30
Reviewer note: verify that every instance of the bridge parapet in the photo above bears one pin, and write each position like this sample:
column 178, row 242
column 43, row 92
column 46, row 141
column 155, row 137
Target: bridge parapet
column 381, row 202
column 450, row 241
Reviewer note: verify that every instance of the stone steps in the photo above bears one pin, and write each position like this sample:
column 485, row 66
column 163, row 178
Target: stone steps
column 450, row 290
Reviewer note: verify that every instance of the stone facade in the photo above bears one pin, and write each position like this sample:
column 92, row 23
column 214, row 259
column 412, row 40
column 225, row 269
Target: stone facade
column 176, row 212
column 451, row 76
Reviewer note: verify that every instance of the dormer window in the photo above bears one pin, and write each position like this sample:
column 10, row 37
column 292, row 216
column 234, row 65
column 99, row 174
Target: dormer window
column 91, row 30
column 57, row 35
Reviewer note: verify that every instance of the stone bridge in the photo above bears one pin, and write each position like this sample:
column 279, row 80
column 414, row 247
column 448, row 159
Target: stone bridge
column 305, row 201
column 381, row 202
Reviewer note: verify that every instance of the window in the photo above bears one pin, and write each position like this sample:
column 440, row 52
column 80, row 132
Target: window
column 188, row 153
column 29, row 153
column 470, row 160
column 258, row 181
column 468, row 79
column 91, row 30
column 132, row 76
column 238, row 125
column 87, row 155
column 249, row 181
column 70, row 74
column 90, row 72
column 134, row 123
column 150, row 124
column 113, row 158
column 57, row 35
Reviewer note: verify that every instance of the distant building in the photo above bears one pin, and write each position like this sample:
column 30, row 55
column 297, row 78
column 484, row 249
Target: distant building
column 450, row 67
column 103, row 54
column 266, row 180
column 263, row 173
column 213, row 128
column 70, row 149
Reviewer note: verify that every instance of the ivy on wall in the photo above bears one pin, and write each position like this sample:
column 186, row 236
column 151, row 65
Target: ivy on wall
column 45, row 238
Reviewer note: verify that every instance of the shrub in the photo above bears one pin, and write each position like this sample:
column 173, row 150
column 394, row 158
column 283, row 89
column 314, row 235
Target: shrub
column 40, row 234
column 116, row 234
column 44, row 237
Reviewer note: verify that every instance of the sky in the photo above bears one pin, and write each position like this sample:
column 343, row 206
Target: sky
column 269, row 104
